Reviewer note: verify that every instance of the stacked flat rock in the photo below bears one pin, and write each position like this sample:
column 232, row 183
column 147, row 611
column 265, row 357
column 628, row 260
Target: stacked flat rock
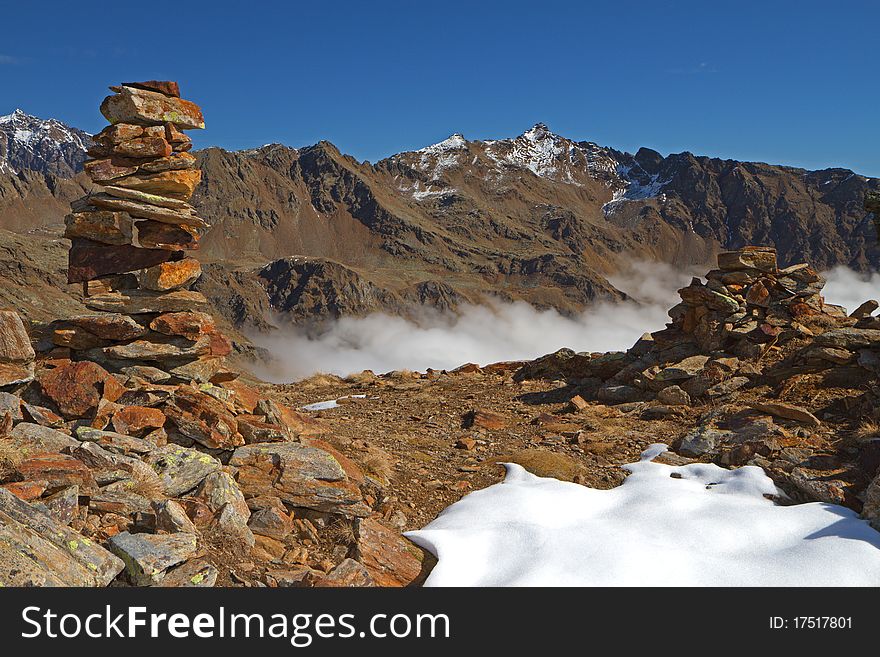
column 748, row 303
column 130, row 238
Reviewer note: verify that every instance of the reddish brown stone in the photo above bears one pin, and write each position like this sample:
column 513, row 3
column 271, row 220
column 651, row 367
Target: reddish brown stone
column 190, row 325
column 132, row 105
column 89, row 260
column 484, row 420
column 77, row 388
column 100, row 226
column 171, row 275
column 109, row 168
column 146, row 146
column 176, row 183
column 246, row 398
column 203, row 418
column 27, row 490
column 159, row 235
column 137, row 420
column 15, row 343
column 57, row 470
column 175, row 136
column 171, row 163
column 109, row 326
column 347, row 574
column 76, row 338
column 390, row 559
column 167, row 87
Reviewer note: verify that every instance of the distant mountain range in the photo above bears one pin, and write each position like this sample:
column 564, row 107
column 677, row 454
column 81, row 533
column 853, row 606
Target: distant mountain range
column 315, row 233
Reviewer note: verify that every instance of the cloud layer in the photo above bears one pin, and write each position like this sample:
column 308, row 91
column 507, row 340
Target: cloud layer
column 502, row 331
column 479, row 334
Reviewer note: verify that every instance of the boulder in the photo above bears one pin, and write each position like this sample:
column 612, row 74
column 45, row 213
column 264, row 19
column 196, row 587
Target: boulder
column 15, row 343
column 109, row 326
column 203, row 418
column 181, row 469
column 166, row 87
column 136, row 302
column 760, row 258
column 484, row 419
column 673, row 396
column 787, row 411
column 37, row 550
column 77, row 388
column 389, row 558
column 194, row 573
column 144, row 208
column 301, row 476
column 159, row 235
column 171, row 517
column 148, row 556
column 137, row 420
column 174, row 183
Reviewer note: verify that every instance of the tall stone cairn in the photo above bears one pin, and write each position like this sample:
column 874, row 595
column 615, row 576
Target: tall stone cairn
column 130, row 238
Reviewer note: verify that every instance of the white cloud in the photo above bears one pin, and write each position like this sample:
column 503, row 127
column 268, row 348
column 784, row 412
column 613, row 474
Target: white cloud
column 482, row 334
column 850, row 289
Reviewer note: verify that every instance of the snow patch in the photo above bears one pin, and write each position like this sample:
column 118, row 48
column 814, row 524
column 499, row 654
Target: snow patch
column 691, row 525
column 330, row 403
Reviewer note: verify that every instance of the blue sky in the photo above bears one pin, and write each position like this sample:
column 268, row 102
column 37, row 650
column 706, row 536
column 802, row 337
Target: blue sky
column 776, row 81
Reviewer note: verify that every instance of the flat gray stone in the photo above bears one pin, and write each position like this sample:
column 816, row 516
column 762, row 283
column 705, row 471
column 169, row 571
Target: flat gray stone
column 148, row 556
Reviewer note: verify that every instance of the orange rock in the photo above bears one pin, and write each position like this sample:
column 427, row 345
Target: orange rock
column 171, row 275
column 137, row 420
column 188, row 324
column 246, row 398
column 27, row 490
column 390, row 559
column 302, row 424
column 203, row 418
column 132, row 105
column 77, row 388
column 161, row 235
column 58, row 470
column 484, row 419
column 177, row 183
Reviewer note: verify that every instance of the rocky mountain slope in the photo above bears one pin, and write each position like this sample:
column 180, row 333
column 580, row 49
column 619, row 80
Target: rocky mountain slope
column 538, row 217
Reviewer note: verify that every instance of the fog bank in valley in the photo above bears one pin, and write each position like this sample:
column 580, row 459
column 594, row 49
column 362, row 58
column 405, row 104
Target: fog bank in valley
column 500, row 331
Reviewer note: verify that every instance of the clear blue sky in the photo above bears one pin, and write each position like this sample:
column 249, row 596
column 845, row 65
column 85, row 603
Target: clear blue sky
column 784, row 82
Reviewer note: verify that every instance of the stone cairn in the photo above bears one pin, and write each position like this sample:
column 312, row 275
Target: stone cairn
column 130, row 238
column 129, row 452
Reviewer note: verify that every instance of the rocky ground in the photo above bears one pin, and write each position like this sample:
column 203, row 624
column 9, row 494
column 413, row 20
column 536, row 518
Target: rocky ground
column 129, row 473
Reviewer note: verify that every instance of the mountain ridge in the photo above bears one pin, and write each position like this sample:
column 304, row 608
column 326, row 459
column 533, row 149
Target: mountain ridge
column 536, row 217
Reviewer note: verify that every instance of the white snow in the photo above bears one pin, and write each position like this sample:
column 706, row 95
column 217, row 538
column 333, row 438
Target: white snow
column 330, row 403
column 692, row 525
column 633, row 190
column 537, row 150
column 26, row 131
column 442, row 156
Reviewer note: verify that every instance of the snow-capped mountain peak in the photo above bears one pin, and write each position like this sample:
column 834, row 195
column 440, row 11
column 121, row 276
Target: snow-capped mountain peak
column 44, row 145
column 455, row 142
